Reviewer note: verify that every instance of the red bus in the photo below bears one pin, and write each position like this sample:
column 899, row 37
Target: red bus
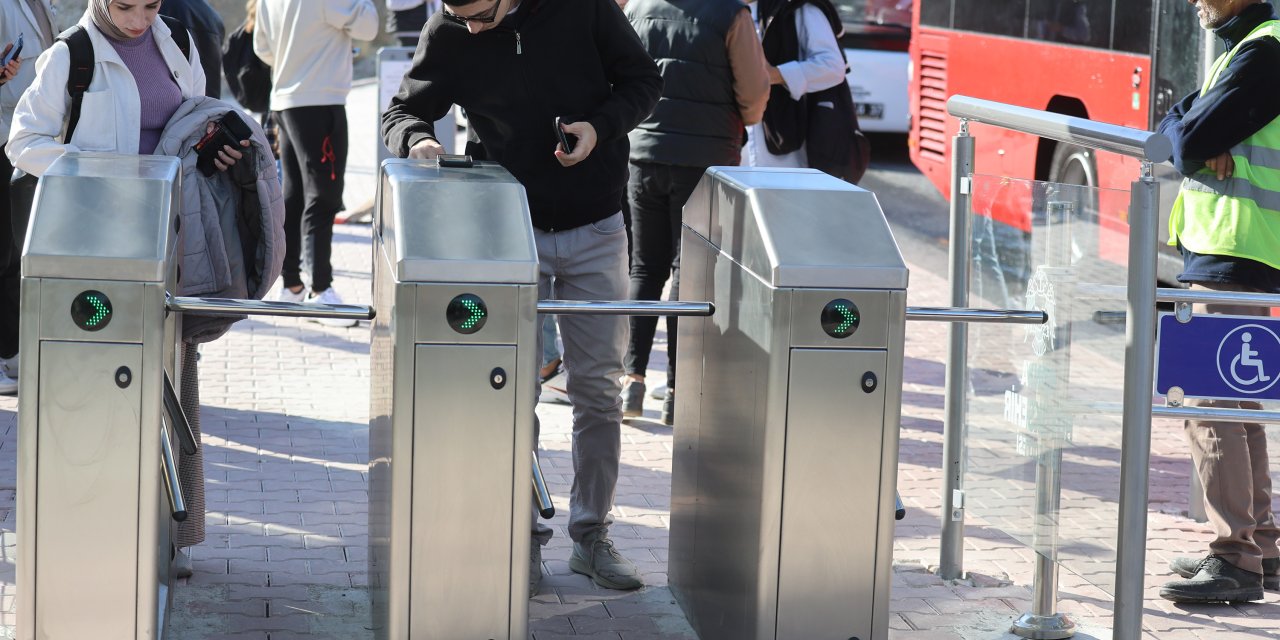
column 1124, row 63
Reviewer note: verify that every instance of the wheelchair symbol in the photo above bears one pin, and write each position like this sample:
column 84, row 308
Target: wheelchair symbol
column 1245, row 370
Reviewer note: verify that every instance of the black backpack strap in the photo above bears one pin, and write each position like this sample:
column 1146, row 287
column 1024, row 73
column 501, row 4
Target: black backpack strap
column 181, row 36
column 79, row 74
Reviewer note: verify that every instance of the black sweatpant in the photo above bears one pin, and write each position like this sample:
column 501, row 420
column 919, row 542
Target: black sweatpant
column 656, row 194
column 313, row 154
column 11, row 240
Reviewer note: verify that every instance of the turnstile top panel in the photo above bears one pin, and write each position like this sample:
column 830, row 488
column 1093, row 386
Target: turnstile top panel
column 108, row 216
column 797, row 228
column 444, row 224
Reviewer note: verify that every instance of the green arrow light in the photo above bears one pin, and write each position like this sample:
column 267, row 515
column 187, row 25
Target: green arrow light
column 840, row 318
column 91, row 310
column 466, row 313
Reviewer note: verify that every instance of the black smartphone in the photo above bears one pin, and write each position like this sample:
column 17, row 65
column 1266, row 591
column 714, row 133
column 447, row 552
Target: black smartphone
column 455, row 160
column 13, row 52
column 564, row 139
column 228, row 131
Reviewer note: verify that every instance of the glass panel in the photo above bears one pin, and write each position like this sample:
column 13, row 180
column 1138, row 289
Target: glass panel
column 999, row 17
column 1082, row 22
column 1044, row 401
column 936, row 13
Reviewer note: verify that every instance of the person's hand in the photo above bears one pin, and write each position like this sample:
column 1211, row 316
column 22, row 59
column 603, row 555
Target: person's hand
column 426, row 149
column 775, row 76
column 586, row 143
column 9, row 71
column 1224, row 165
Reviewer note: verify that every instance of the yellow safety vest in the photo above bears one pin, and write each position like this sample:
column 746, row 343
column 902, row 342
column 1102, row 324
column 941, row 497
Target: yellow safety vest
column 1238, row 216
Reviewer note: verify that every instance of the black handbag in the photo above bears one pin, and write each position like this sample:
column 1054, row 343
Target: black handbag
column 834, row 143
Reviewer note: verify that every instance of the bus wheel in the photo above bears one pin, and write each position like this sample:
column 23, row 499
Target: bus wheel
column 1072, row 164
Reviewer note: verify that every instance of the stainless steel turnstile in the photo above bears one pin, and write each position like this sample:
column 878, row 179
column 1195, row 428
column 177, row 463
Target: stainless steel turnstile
column 94, row 520
column 453, row 358
column 789, row 399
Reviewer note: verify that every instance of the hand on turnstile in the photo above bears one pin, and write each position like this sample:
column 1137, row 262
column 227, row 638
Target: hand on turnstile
column 900, row 511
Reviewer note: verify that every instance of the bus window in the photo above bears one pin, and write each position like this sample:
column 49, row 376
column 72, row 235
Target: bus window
column 936, row 13
column 996, row 17
column 1133, row 27
column 1083, row 22
column 1177, row 58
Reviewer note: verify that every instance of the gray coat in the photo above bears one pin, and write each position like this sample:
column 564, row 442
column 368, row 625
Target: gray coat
column 232, row 222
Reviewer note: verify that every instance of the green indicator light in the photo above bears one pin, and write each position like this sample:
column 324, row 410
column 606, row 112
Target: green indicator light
column 466, row 313
column 840, row 318
column 91, row 310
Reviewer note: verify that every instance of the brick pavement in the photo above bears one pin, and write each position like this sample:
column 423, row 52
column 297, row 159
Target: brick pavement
column 286, row 432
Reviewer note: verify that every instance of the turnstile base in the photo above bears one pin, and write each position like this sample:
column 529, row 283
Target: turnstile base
column 1034, row 627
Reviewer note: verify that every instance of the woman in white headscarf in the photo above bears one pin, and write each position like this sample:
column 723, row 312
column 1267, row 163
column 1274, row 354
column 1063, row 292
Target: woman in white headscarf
column 140, row 78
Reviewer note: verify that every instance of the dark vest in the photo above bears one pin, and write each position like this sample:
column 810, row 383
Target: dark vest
column 696, row 122
column 408, row 20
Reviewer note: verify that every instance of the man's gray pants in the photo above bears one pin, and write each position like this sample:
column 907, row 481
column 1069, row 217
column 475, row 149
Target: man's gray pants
column 588, row 263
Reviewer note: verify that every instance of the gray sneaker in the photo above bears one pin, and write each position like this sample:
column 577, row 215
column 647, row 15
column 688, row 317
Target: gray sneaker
column 8, row 386
column 632, row 398
column 9, row 366
column 596, row 558
column 658, row 393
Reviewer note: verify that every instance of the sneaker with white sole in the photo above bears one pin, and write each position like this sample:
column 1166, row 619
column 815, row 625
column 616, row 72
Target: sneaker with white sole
column 632, row 398
column 659, row 393
column 285, row 295
column 9, row 366
column 596, row 558
column 329, row 296
column 554, row 389
column 8, row 386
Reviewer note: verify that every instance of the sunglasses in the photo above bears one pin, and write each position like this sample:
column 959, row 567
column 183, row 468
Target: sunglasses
column 484, row 17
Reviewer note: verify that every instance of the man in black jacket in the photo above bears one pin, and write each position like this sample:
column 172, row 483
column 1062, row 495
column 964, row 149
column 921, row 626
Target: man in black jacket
column 207, row 31
column 515, row 67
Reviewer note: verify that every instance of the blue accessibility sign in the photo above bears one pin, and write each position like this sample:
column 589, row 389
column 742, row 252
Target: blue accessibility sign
column 1219, row 356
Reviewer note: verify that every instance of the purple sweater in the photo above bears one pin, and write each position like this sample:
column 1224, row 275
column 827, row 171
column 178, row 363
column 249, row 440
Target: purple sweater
column 158, row 92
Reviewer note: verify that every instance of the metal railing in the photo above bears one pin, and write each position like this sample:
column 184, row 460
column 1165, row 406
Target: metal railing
column 1043, row 621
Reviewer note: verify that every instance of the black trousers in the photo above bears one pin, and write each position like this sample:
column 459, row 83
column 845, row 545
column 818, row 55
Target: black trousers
column 12, row 235
column 313, row 154
column 656, row 194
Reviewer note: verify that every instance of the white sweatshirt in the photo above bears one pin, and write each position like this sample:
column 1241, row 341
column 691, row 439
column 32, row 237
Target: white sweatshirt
column 308, row 45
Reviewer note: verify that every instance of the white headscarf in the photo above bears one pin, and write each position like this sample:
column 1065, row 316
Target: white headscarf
column 99, row 11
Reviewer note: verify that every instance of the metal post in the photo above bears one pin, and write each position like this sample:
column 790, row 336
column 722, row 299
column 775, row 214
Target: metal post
column 1139, row 374
column 1052, row 429
column 951, row 554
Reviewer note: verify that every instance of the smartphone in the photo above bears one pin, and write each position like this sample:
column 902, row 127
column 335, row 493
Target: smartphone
column 564, row 140
column 454, row 160
column 13, row 52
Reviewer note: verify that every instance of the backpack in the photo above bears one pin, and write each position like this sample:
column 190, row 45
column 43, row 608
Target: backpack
column 22, row 186
column 247, row 75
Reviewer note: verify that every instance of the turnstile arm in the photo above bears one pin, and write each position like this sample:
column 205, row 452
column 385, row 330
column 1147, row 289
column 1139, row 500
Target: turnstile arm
column 960, row 314
column 236, row 307
column 625, row 308
column 178, row 417
column 541, row 496
column 172, row 485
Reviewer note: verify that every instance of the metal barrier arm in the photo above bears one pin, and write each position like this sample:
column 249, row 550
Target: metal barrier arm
column 178, row 418
column 172, row 485
column 234, row 307
column 625, row 308
column 994, row 316
column 541, row 496
column 1144, row 145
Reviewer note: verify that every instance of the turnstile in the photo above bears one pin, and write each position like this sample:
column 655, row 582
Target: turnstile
column 94, row 521
column 455, row 273
column 789, row 397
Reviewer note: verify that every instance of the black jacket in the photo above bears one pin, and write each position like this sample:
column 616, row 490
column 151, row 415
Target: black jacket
column 577, row 59
column 207, row 31
column 697, row 122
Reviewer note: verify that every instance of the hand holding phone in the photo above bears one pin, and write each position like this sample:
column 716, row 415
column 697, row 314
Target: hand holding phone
column 564, row 139
column 11, row 53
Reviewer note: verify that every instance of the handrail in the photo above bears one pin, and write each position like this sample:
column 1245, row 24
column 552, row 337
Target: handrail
column 1136, row 143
